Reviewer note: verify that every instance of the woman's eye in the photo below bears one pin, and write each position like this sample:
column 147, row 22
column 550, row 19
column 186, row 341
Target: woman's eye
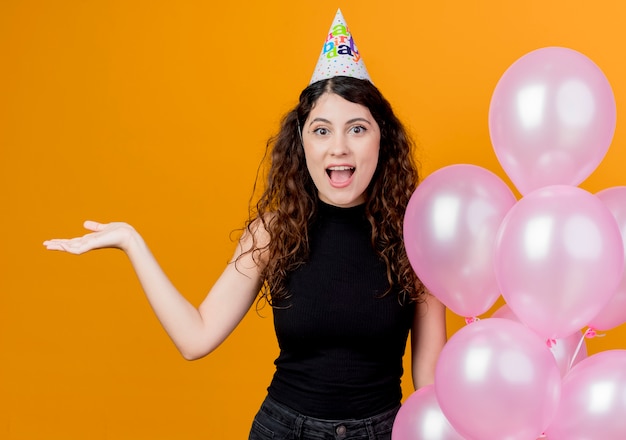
column 358, row 129
column 321, row 131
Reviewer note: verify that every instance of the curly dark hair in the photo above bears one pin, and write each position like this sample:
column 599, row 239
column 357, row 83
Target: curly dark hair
column 288, row 202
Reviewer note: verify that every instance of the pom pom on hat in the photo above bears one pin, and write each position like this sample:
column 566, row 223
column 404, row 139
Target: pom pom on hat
column 339, row 56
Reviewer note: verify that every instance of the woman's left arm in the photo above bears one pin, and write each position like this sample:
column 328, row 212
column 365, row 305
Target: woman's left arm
column 428, row 336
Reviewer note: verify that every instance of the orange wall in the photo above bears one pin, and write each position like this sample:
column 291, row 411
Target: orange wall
column 157, row 113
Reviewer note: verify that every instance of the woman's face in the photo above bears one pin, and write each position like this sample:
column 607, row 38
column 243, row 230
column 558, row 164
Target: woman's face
column 341, row 144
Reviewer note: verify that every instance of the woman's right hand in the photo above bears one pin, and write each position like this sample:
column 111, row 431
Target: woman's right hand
column 105, row 235
column 195, row 331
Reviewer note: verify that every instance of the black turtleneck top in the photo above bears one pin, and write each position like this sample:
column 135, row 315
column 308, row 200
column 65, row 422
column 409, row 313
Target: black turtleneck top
column 341, row 341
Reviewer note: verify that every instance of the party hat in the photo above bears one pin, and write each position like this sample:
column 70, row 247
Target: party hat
column 340, row 55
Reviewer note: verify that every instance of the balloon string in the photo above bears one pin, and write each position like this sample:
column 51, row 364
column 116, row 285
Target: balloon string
column 470, row 319
column 589, row 333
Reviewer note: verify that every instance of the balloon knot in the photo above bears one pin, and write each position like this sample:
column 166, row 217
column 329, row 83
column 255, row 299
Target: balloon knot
column 591, row 333
column 471, row 319
column 551, row 343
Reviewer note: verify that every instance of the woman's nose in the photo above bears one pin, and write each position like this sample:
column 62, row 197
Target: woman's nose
column 339, row 146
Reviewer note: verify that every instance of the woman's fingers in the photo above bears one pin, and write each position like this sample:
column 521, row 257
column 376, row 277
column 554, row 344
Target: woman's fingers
column 93, row 226
column 103, row 235
column 77, row 245
column 53, row 245
column 73, row 245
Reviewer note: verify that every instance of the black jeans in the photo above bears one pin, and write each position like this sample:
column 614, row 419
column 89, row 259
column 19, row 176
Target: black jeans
column 275, row 421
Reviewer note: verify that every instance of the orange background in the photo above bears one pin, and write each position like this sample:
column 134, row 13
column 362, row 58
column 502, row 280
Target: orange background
column 157, row 113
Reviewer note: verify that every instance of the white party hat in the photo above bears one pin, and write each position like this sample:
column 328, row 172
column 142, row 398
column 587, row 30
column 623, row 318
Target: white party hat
column 340, row 55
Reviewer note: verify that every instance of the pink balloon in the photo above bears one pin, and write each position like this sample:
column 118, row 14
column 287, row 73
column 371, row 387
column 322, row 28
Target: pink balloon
column 559, row 259
column 551, row 118
column 614, row 313
column 450, row 227
column 567, row 351
column 593, row 401
column 496, row 379
column 420, row 418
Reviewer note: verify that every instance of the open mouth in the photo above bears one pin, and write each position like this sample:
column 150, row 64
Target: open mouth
column 340, row 174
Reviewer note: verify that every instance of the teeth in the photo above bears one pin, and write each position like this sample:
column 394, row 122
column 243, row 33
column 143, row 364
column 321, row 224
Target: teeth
column 342, row 168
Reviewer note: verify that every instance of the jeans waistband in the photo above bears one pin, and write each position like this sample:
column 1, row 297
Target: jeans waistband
column 370, row 427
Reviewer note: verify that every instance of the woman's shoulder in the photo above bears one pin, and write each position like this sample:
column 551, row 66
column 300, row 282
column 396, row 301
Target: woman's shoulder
column 258, row 227
column 256, row 235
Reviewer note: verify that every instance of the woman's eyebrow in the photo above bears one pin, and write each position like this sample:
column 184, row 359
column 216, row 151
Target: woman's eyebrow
column 348, row 122
column 318, row 119
column 359, row 119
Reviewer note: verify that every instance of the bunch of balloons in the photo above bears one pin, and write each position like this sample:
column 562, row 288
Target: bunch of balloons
column 556, row 256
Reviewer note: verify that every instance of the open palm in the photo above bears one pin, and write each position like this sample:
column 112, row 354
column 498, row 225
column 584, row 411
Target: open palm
column 105, row 235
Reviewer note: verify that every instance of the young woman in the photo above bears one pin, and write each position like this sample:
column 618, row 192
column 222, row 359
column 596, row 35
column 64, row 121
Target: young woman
column 323, row 247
